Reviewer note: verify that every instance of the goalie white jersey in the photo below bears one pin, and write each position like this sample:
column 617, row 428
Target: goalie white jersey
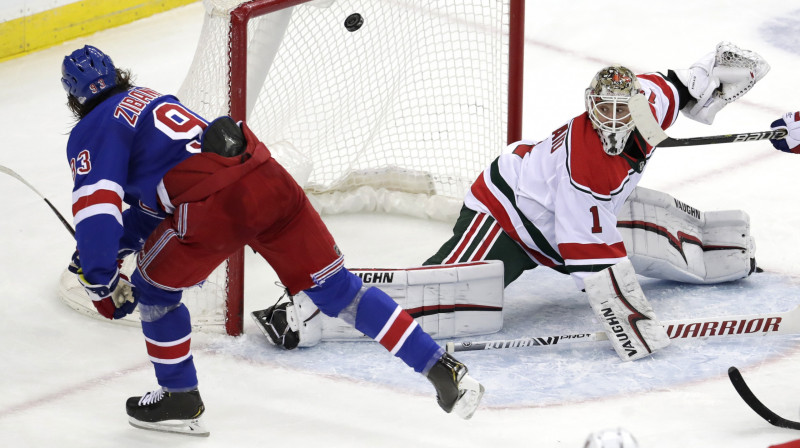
column 559, row 198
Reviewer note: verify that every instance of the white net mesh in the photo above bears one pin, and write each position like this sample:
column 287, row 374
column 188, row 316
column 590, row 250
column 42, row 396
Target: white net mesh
column 414, row 100
column 398, row 111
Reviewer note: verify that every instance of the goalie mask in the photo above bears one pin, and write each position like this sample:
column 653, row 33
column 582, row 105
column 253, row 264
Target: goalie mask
column 87, row 72
column 607, row 103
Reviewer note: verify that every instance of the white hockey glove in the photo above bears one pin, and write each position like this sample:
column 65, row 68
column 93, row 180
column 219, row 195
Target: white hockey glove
column 720, row 78
column 791, row 122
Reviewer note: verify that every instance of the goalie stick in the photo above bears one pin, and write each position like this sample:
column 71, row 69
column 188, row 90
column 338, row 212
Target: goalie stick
column 755, row 324
column 13, row 174
column 649, row 128
column 755, row 404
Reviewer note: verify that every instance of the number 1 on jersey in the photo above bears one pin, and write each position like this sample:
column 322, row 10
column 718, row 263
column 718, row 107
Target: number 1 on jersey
column 595, row 220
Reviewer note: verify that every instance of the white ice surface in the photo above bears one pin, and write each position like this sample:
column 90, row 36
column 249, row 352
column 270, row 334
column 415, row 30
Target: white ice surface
column 64, row 378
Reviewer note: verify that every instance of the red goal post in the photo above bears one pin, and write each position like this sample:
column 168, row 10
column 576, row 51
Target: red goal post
column 242, row 15
column 372, row 105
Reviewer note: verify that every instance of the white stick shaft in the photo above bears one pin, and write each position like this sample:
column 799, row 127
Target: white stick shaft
column 12, row 173
column 752, row 325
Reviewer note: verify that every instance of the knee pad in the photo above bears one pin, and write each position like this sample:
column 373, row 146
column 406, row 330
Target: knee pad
column 336, row 293
column 150, row 295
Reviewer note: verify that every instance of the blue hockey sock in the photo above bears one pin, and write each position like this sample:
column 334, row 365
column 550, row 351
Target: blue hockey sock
column 382, row 319
column 372, row 312
column 169, row 346
column 337, row 293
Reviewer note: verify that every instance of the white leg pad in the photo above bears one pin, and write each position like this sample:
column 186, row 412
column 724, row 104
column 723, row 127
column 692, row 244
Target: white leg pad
column 628, row 319
column 668, row 239
column 446, row 301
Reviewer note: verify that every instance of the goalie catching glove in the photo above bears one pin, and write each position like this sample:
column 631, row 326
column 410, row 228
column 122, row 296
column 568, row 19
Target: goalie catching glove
column 719, row 78
column 114, row 300
column 791, row 122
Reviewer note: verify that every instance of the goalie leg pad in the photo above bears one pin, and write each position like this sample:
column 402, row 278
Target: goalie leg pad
column 446, row 301
column 628, row 319
column 668, row 239
column 730, row 250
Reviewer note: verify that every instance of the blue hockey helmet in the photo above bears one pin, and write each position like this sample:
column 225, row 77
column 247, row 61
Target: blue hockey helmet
column 87, row 72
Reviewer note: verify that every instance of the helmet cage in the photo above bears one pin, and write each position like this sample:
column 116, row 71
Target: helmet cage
column 611, row 88
column 614, row 129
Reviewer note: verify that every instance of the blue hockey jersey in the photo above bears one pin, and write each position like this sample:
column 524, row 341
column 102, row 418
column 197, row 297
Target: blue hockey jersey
column 119, row 153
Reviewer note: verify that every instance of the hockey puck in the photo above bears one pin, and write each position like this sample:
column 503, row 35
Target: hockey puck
column 353, row 22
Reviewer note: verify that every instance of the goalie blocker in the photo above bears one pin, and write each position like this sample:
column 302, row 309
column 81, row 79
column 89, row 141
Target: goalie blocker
column 446, row 301
column 629, row 320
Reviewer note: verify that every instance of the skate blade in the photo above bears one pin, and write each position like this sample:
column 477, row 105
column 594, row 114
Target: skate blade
column 472, row 392
column 258, row 316
column 191, row 427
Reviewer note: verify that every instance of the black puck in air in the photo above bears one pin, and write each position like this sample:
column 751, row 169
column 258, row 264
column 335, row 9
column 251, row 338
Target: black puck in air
column 353, row 22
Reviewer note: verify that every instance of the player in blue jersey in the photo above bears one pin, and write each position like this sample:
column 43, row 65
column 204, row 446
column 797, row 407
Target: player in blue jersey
column 196, row 192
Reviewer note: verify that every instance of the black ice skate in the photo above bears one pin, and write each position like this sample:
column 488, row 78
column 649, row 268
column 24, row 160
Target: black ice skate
column 276, row 325
column 160, row 410
column 456, row 391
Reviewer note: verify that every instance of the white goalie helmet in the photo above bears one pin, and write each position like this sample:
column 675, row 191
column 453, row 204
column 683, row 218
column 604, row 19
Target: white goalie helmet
column 607, row 103
column 611, row 438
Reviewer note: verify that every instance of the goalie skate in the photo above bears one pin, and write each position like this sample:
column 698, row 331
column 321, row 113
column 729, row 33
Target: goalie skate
column 164, row 411
column 456, row 391
column 278, row 323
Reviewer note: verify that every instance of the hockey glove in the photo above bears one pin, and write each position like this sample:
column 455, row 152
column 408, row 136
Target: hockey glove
column 720, row 78
column 791, row 122
column 114, row 300
column 74, row 263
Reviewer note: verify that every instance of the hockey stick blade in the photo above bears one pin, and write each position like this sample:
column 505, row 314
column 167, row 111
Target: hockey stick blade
column 755, row 404
column 649, row 128
column 61, row 218
column 753, row 325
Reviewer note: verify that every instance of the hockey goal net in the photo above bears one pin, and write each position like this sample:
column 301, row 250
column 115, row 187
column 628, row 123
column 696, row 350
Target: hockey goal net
column 372, row 105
